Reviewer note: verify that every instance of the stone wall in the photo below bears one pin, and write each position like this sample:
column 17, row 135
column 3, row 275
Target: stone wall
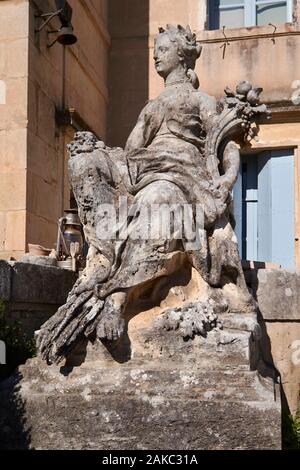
column 61, row 78
column 14, row 30
column 278, row 296
column 128, row 66
column 40, row 83
column 254, row 54
column 32, row 293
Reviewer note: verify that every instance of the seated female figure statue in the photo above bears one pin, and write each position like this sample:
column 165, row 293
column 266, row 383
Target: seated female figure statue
column 181, row 153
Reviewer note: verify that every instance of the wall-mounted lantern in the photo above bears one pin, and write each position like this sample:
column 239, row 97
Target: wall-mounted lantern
column 64, row 35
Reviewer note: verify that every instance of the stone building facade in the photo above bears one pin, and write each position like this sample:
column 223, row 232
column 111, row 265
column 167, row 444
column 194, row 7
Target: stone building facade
column 40, row 87
column 48, row 93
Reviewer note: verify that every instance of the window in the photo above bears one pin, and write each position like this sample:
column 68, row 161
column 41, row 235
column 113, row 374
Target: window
column 239, row 13
column 264, row 207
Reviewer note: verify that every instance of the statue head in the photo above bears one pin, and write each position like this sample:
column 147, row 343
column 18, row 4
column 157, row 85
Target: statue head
column 176, row 48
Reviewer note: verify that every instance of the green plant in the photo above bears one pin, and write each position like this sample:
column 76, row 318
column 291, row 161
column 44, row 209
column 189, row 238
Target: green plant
column 291, row 431
column 18, row 348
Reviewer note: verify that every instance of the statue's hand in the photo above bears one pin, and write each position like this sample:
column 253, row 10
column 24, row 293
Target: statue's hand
column 221, row 186
column 91, row 279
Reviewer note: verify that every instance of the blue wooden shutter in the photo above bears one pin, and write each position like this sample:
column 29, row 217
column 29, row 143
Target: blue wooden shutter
column 264, row 207
column 264, row 212
column 276, row 207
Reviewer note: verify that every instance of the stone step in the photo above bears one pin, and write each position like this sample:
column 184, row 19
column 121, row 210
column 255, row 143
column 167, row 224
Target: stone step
column 128, row 408
column 95, row 379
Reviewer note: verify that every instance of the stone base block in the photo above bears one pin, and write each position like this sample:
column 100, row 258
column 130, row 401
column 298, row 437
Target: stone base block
column 154, row 391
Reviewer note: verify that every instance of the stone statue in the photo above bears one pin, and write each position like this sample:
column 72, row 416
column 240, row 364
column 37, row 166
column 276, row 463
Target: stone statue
column 183, row 153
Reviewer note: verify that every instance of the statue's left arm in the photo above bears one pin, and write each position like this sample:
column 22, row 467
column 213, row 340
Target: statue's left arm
column 234, row 120
column 228, row 155
column 229, row 168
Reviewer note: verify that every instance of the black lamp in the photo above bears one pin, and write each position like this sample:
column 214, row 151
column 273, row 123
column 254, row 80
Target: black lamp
column 64, row 35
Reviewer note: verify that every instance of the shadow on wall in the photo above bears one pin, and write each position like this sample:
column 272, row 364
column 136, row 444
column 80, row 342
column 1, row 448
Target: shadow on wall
column 128, row 66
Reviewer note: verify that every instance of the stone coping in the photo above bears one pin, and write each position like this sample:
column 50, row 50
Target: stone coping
column 25, row 282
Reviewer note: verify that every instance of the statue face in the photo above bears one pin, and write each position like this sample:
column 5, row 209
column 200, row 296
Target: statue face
column 165, row 55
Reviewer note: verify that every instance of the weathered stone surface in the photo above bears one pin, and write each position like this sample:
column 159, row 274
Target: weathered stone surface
column 278, row 294
column 192, row 318
column 39, row 260
column 284, row 347
column 5, row 280
column 32, row 293
column 40, row 284
column 168, row 394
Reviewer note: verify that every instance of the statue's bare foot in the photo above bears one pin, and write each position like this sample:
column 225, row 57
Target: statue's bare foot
column 110, row 327
column 112, row 324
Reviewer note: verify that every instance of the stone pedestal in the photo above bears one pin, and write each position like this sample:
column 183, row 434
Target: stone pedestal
column 154, row 391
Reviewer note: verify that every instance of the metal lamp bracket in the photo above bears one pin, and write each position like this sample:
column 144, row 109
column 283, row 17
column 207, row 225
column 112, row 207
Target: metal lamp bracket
column 49, row 17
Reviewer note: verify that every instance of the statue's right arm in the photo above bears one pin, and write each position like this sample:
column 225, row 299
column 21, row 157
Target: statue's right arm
column 145, row 128
column 136, row 138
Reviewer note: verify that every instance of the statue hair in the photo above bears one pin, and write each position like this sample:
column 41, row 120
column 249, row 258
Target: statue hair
column 188, row 48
